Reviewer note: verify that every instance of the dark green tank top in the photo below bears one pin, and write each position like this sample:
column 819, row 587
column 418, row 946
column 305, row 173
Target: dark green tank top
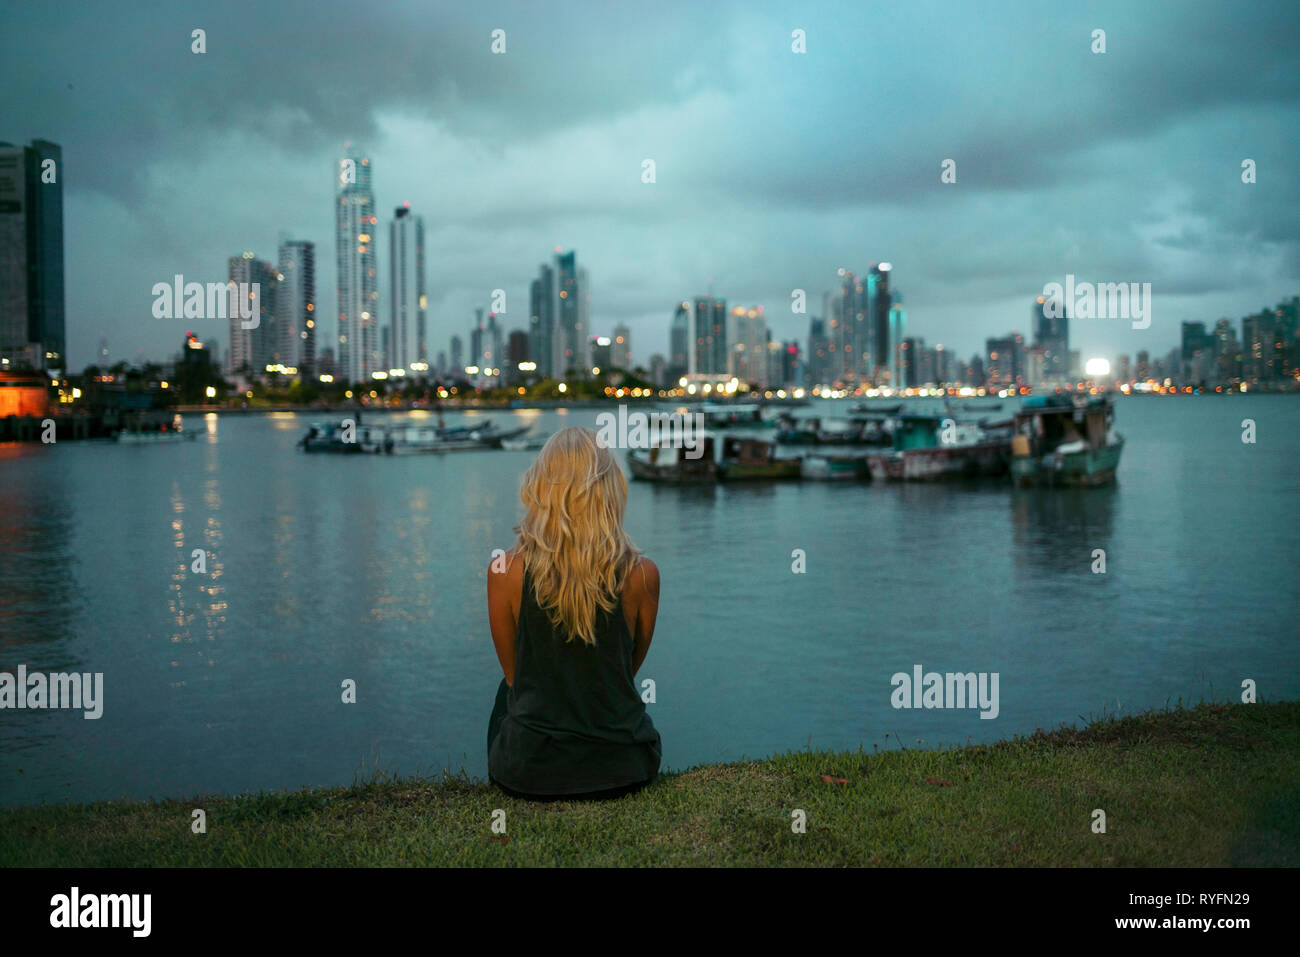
column 573, row 722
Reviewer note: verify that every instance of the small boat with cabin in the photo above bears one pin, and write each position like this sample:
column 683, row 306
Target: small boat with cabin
column 755, row 459
column 1065, row 440
column 678, row 466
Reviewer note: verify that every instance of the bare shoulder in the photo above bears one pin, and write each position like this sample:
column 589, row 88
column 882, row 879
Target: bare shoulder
column 505, row 570
column 645, row 578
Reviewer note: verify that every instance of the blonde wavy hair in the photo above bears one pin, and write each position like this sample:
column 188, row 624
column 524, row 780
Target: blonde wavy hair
column 571, row 537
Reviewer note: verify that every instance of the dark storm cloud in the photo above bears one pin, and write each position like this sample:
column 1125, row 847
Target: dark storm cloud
column 773, row 168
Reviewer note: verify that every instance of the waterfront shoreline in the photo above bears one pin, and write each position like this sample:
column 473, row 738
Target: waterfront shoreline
column 1214, row 785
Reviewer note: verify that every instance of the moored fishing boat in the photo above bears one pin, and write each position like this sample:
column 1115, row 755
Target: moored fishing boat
column 929, row 447
column 754, row 459
column 675, row 465
column 346, row 437
column 1064, row 440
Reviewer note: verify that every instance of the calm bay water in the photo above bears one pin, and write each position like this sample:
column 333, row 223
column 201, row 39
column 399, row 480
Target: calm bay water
column 323, row 568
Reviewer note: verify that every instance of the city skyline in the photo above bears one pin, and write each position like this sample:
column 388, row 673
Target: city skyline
column 512, row 154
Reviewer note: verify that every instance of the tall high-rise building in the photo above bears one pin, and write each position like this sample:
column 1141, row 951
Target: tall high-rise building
column 476, row 342
column 1257, row 350
column 710, row 355
column 601, row 353
column 541, row 321
column 1052, row 334
column 942, row 365
column 516, row 352
column 620, row 349
column 295, row 304
column 1286, row 338
column 1197, row 352
column 457, row 368
column 818, row 363
column 908, row 363
column 793, row 371
column 880, row 303
column 897, row 332
column 1227, row 353
column 749, row 352
column 252, row 349
column 571, row 348
column 358, row 272
column 32, row 318
column 559, row 317
column 680, row 353
column 851, row 322
column 409, row 300
column 1005, row 362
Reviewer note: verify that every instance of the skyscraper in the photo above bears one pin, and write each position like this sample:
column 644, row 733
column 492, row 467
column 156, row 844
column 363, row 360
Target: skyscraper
column 679, row 344
column 541, row 321
column 1227, row 353
column 818, row 363
column 32, row 318
column 1257, row 352
column 457, row 369
column 1005, row 367
column 878, row 354
column 252, row 349
column 750, row 358
column 710, row 353
column 1197, row 352
column 516, row 352
column 295, row 305
column 1052, row 335
column 897, row 330
column 620, row 350
column 406, row 250
column 851, row 322
column 358, row 283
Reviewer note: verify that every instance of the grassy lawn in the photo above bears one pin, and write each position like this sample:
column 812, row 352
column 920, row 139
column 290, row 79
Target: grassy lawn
column 1208, row 786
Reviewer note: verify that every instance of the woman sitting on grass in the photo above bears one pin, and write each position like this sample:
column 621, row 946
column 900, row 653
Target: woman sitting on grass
column 572, row 613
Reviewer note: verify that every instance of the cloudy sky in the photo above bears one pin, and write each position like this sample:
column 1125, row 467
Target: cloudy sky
column 773, row 168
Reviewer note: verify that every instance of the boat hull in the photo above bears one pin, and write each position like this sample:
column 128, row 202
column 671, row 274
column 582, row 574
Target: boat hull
column 701, row 473
column 941, row 462
column 1082, row 469
column 782, row 469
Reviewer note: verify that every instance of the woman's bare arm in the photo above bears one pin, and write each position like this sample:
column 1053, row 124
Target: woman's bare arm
column 504, row 589
column 646, row 582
